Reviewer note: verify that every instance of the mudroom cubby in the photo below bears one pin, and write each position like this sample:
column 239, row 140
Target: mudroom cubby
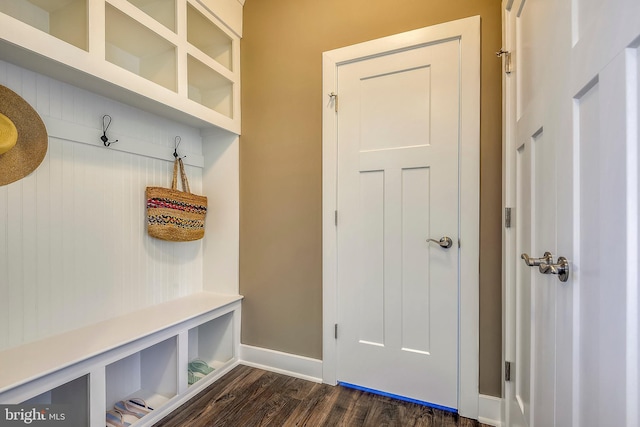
column 63, row 19
column 163, row 11
column 175, row 58
column 74, row 395
column 149, row 374
column 211, row 342
column 136, row 48
column 143, row 355
column 209, row 37
column 208, row 88
column 75, row 391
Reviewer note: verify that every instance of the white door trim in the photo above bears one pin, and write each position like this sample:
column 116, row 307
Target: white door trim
column 508, row 201
column 466, row 30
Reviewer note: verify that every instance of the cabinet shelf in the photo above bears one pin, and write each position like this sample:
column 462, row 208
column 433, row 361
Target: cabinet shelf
column 74, row 395
column 150, row 56
column 163, row 11
column 208, row 88
column 212, row 342
column 149, row 374
column 168, row 57
column 209, row 38
column 63, row 19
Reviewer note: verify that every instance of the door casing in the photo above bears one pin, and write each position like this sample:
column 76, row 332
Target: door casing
column 466, row 30
column 509, row 259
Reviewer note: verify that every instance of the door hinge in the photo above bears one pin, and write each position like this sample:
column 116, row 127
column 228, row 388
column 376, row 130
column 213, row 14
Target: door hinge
column 507, row 60
column 507, row 217
column 507, row 371
column 335, row 331
column 335, row 217
column 334, row 97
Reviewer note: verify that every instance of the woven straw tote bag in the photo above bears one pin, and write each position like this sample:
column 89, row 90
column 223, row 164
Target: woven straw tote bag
column 175, row 215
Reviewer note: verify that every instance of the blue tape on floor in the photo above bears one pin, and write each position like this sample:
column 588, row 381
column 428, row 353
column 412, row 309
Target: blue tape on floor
column 395, row 396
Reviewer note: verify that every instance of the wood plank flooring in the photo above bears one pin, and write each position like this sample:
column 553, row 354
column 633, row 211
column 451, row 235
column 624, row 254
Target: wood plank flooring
column 247, row 397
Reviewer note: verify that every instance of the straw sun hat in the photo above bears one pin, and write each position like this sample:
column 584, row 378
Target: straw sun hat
column 23, row 137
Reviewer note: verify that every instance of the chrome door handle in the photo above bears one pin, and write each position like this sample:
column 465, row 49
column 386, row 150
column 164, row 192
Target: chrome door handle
column 561, row 268
column 535, row 262
column 444, row 242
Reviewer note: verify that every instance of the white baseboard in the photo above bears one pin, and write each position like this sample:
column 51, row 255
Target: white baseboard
column 293, row 365
column 490, row 410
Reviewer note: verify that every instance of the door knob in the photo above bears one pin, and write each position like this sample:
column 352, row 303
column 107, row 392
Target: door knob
column 444, row 242
column 561, row 268
column 535, row 262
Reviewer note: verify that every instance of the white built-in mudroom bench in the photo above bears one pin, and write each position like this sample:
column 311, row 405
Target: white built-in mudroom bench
column 92, row 310
column 139, row 355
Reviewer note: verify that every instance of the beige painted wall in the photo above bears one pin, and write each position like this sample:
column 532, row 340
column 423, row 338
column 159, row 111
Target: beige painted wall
column 281, row 170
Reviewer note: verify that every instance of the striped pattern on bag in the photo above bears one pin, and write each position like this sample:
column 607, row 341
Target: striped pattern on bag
column 175, row 215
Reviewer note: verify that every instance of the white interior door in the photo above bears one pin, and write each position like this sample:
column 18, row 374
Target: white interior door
column 531, row 317
column 572, row 178
column 598, row 340
column 401, row 165
column 398, row 134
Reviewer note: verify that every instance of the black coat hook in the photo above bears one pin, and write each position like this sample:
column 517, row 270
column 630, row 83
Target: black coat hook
column 105, row 126
column 176, row 144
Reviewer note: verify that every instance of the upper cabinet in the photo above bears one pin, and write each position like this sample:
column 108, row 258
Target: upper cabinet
column 176, row 58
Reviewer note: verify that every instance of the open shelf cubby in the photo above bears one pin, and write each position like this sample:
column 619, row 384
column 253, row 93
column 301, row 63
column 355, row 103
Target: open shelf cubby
column 212, row 342
column 209, row 88
column 150, row 374
column 143, row 354
column 208, row 37
column 74, row 396
column 136, row 48
column 63, row 19
column 163, row 11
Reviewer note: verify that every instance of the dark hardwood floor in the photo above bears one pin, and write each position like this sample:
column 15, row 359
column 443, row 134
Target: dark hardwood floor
column 247, row 397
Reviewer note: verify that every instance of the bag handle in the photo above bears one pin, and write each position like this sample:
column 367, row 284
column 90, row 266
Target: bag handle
column 183, row 176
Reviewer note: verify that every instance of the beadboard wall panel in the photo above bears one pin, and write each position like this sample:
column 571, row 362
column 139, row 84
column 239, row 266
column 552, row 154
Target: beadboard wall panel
column 73, row 243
